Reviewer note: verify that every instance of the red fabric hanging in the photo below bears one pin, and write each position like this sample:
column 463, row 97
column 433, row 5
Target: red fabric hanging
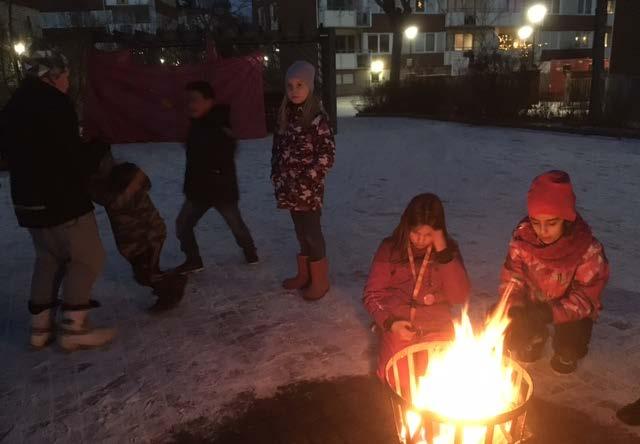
column 130, row 102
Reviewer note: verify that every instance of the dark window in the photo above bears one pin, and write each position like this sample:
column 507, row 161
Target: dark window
column 584, row 7
column 345, row 43
column 373, row 43
column 384, row 43
column 430, row 42
column 340, row 5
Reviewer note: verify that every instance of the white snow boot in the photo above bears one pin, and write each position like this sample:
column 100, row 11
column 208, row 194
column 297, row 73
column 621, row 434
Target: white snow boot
column 77, row 334
column 42, row 333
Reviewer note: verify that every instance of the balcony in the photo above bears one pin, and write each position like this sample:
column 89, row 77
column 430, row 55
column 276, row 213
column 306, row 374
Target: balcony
column 344, row 14
column 363, row 19
column 346, row 61
column 469, row 18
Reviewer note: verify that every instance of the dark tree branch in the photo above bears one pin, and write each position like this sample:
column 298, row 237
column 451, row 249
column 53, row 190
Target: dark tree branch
column 597, row 70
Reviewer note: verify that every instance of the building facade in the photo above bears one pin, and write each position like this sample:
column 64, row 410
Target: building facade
column 25, row 20
column 449, row 31
column 126, row 16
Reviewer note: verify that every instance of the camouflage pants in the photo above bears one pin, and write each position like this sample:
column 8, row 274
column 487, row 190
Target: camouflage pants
column 140, row 233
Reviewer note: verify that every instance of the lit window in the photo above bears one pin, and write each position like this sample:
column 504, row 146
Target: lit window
column 463, row 42
column 582, row 40
column 420, row 5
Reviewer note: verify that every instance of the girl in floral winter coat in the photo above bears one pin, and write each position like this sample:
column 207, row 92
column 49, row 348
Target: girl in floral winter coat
column 303, row 153
column 556, row 271
column 416, row 276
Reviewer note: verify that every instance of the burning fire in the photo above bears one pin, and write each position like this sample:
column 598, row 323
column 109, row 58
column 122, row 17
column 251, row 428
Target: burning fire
column 467, row 381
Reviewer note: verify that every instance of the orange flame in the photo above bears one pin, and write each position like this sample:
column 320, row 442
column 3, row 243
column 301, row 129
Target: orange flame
column 466, row 381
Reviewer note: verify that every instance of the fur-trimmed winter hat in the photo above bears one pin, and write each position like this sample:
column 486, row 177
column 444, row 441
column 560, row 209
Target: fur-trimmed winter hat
column 41, row 62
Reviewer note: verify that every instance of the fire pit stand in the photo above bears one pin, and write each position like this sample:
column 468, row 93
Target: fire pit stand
column 506, row 428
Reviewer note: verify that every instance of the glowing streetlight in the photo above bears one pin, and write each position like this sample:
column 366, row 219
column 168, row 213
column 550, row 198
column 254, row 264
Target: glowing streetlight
column 19, row 48
column 525, row 32
column 377, row 66
column 536, row 13
column 411, row 32
column 266, row 58
column 162, row 61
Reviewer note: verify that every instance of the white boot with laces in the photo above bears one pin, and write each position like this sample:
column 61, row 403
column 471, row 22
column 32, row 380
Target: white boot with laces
column 77, row 334
column 42, row 333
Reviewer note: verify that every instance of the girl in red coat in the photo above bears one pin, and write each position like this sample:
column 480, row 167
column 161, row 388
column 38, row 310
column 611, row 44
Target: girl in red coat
column 557, row 270
column 417, row 274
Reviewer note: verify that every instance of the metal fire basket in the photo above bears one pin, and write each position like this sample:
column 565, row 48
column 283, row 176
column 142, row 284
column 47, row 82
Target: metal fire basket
column 505, row 428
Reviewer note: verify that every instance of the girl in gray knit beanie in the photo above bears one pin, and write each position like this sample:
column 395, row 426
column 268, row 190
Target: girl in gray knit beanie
column 303, row 154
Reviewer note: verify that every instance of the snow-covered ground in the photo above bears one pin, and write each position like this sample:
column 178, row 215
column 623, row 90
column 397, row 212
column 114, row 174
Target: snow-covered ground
column 237, row 330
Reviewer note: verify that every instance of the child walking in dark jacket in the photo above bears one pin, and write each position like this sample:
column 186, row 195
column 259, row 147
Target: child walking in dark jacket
column 303, row 153
column 210, row 179
column 139, row 230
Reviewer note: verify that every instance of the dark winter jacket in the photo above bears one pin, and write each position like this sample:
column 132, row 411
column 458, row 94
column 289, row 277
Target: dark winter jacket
column 138, row 228
column 45, row 155
column 300, row 162
column 210, row 176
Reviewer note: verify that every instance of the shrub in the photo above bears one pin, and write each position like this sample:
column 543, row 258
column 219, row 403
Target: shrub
column 477, row 96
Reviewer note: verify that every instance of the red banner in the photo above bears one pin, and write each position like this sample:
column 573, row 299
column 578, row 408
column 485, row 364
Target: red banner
column 130, row 102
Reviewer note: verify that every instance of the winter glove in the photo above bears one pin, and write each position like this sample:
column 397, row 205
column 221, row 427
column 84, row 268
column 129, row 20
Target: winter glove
column 528, row 325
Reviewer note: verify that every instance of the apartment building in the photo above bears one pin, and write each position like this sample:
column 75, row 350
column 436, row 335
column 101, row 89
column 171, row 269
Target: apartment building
column 25, row 20
column 127, row 16
column 448, row 30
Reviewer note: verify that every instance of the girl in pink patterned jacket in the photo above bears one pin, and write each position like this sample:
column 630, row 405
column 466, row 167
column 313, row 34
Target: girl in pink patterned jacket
column 556, row 270
column 303, row 153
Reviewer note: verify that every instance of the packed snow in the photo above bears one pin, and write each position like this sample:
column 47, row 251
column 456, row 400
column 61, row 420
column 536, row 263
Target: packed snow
column 238, row 331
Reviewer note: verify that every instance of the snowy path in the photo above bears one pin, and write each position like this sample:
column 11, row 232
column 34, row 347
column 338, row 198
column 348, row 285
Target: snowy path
column 238, row 331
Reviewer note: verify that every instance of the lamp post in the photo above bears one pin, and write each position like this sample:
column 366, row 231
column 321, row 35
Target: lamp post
column 411, row 33
column 377, row 66
column 535, row 15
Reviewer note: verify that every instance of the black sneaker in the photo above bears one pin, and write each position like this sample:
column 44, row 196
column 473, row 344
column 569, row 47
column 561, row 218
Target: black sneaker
column 630, row 414
column 563, row 366
column 251, row 256
column 190, row 266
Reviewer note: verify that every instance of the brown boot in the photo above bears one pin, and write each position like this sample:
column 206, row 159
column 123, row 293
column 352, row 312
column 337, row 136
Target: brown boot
column 301, row 280
column 319, row 280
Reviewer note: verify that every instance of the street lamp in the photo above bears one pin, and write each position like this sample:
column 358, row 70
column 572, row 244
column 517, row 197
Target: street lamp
column 525, row 32
column 535, row 15
column 19, row 48
column 377, row 66
column 411, row 32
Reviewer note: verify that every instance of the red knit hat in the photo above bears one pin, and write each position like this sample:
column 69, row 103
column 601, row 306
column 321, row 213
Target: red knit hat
column 551, row 193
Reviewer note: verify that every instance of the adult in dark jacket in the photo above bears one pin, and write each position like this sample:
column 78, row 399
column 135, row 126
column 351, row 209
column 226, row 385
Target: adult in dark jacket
column 210, row 178
column 48, row 187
